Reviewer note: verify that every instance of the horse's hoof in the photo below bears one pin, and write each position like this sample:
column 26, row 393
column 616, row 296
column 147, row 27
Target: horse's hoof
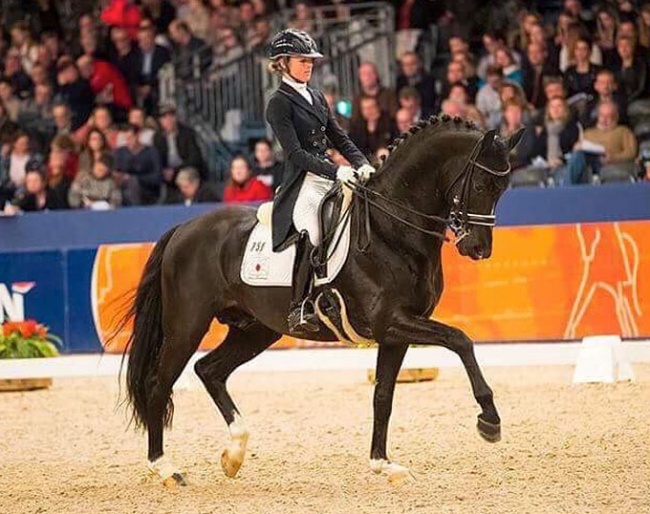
column 231, row 461
column 396, row 474
column 491, row 432
column 175, row 481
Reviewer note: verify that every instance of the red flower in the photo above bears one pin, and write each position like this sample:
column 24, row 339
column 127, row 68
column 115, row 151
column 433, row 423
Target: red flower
column 9, row 328
column 28, row 328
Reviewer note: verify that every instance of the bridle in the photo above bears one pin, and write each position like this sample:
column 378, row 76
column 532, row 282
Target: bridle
column 459, row 220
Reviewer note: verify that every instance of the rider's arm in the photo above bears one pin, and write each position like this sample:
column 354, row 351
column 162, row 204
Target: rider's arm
column 342, row 141
column 278, row 114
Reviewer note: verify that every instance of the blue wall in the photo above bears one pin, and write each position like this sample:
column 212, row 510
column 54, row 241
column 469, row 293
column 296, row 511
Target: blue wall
column 523, row 206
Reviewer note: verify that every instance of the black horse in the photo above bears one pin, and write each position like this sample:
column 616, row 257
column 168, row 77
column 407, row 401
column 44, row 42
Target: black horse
column 443, row 173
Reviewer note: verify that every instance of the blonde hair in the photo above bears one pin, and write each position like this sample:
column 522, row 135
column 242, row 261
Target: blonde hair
column 279, row 66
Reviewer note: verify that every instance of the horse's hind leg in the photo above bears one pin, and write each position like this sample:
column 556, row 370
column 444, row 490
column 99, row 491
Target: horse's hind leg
column 183, row 330
column 240, row 346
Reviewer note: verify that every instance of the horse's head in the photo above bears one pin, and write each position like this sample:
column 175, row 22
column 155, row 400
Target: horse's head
column 475, row 192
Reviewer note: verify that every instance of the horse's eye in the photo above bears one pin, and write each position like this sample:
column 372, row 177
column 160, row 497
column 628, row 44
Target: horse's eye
column 479, row 188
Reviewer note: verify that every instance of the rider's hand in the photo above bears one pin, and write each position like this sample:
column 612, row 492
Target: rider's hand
column 365, row 172
column 346, row 174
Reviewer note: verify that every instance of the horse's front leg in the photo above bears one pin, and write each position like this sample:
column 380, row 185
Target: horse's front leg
column 389, row 361
column 419, row 330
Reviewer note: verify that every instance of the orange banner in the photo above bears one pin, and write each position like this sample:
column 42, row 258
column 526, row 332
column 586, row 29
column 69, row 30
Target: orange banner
column 541, row 283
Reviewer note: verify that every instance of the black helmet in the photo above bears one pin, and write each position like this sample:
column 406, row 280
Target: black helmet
column 290, row 42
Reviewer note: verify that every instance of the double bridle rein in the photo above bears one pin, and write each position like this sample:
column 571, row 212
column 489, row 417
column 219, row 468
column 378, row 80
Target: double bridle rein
column 459, row 219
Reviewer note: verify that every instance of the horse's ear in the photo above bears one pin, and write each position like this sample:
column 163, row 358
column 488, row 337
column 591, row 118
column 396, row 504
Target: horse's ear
column 488, row 139
column 514, row 139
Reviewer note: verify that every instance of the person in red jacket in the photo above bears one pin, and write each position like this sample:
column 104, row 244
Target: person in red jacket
column 106, row 81
column 242, row 186
column 124, row 14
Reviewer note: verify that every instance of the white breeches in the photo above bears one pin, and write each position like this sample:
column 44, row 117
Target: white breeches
column 305, row 212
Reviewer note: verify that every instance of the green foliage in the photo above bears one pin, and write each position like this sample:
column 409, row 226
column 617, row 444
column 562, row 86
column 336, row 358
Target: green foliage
column 15, row 345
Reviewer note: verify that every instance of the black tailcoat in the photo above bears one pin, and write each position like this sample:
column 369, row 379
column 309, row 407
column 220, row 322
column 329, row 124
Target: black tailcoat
column 305, row 132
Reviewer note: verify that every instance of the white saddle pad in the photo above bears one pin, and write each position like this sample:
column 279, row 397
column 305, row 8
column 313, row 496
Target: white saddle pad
column 261, row 266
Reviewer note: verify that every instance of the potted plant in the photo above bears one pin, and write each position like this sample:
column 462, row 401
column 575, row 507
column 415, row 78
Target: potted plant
column 26, row 340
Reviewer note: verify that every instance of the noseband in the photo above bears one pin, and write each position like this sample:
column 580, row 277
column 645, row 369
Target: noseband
column 460, row 218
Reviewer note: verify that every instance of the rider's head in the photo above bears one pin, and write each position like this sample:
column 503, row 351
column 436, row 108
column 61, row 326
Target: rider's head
column 292, row 52
column 474, row 194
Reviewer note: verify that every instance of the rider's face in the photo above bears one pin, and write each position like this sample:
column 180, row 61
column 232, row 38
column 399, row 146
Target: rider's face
column 300, row 68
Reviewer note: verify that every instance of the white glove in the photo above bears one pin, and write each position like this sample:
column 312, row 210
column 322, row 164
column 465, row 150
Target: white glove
column 365, row 172
column 346, row 174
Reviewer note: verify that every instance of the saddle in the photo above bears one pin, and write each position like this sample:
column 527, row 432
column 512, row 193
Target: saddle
column 263, row 267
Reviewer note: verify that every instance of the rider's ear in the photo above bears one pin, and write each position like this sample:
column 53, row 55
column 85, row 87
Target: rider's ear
column 513, row 140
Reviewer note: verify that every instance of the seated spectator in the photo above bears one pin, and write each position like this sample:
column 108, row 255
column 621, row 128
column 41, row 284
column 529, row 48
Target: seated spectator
column 18, row 155
column 137, row 116
column 23, row 43
column 618, row 142
column 68, row 149
column 556, row 138
column 74, row 91
column 573, row 33
column 536, row 68
column 124, row 57
column 21, row 82
column 8, row 128
column 513, row 121
column 102, row 119
column 468, row 111
column 37, row 196
column 58, row 178
column 186, row 49
column 260, row 34
column 580, row 77
column 403, row 121
column 412, row 74
column 177, row 146
column 632, row 72
column 137, row 170
column 150, row 58
column 124, row 14
column 9, row 99
column 190, row 189
column 242, row 186
column 606, row 28
column 371, row 87
column 36, row 112
column 107, row 84
column 509, row 67
column 456, row 75
column 89, row 45
column 97, row 189
column 94, row 148
column 606, row 89
column 409, row 99
column 492, row 41
column 374, row 129
column 63, row 124
column 196, row 17
column 267, row 168
column 488, row 100
column 161, row 12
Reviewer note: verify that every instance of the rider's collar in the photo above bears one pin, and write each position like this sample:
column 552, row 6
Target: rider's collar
column 301, row 87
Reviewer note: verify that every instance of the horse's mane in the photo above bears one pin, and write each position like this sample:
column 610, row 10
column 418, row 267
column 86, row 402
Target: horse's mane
column 433, row 124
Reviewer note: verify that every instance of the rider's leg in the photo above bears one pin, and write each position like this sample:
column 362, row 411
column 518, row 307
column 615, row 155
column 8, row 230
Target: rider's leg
column 301, row 313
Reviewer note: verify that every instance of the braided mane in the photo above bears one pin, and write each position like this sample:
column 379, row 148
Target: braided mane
column 443, row 122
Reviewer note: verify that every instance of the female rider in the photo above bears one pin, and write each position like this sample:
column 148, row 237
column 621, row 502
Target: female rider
column 305, row 128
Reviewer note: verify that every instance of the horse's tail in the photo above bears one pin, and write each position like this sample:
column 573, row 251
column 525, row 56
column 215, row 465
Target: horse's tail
column 147, row 336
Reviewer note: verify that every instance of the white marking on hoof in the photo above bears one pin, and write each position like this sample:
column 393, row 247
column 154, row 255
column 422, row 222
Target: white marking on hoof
column 233, row 456
column 395, row 473
column 165, row 469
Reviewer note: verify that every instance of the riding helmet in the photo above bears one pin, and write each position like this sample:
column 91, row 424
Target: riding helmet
column 293, row 42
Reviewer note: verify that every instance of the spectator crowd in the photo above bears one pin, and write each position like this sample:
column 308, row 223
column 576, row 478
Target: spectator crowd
column 82, row 124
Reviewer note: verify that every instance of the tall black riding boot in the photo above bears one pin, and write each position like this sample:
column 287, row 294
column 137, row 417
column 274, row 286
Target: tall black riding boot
column 301, row 313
